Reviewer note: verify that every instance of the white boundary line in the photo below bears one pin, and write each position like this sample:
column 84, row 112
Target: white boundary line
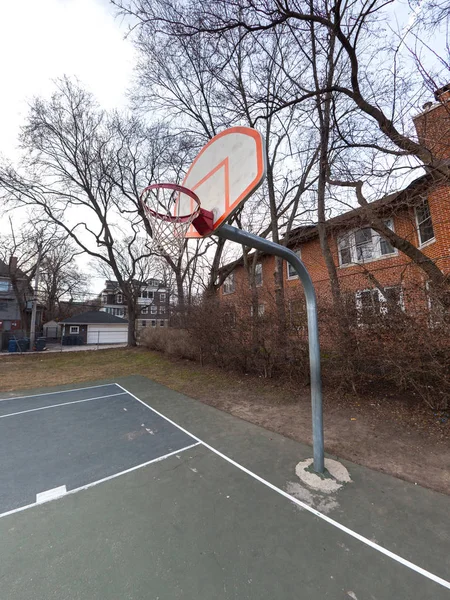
column 22, row 412
column 90, row 387
column 315, row 512
column 94, row 483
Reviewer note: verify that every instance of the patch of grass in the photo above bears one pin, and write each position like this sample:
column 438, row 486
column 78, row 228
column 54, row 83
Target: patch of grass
column 42, row 370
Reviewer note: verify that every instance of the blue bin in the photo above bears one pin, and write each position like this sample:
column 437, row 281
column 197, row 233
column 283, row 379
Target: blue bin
column 12, row 346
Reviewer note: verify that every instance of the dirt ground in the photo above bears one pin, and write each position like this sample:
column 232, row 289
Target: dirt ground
column 395, row 435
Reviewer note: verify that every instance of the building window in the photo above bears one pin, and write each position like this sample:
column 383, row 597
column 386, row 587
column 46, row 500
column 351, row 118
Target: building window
column 229, row 319
column 145, row 294
column 4, row 286
column 162, row 310
column 119, row 299
column 153, row 309
column 153, row 322
column 162, row 323
column 297, row 314
column 105, row 298
column 162, row 297
column 228, row 284
column 150, row 294
column 258, row 275
column 424, row 223
column 363, row 245
column 370, row 304
column 261, row 308
column 74, row 329
column 144, row 310
column 291, row 272
column 144, row 323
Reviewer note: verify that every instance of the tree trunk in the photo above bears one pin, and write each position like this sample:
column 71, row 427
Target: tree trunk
column 131, row 310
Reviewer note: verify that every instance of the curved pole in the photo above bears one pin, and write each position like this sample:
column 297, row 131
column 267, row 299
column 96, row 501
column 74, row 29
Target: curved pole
column 253, row 241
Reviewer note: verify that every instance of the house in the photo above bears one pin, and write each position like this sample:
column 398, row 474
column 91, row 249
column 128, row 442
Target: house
column 12, row 322
column 366, row 263
column 10, row 317
column 152, row 302
column 96, row 327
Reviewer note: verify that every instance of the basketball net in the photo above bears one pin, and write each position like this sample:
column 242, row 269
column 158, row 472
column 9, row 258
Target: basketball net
column 161, row 202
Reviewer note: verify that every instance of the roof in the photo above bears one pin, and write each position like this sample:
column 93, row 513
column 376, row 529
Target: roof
column 357, row 217
column 360, row 216
column 4, row 270
column 96, row 317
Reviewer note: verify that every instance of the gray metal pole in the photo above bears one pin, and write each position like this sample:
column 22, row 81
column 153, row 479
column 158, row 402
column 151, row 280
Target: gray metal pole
column 253, row 241
column 35, row 303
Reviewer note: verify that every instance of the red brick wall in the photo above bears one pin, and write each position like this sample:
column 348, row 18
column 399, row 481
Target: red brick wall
column 433, row 129
column 388, row 271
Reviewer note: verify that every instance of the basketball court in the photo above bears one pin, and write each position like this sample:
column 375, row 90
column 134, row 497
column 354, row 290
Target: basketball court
column 130, row 490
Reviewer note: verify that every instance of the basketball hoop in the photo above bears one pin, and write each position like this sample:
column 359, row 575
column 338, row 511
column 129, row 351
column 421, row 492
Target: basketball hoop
column 161, row 202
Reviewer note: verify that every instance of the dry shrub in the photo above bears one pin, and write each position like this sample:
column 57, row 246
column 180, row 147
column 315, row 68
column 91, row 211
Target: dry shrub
column 174, row 342
column 390, row 351
column 393, row 350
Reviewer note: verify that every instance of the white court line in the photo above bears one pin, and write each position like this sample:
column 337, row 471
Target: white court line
column 310, row 509
column 22, row 412
column 94, row 483
column 52, row 494
column 90, row 387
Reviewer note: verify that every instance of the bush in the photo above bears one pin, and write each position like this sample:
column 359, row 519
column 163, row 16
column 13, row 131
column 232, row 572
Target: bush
column 391, row 350
column 174, row 342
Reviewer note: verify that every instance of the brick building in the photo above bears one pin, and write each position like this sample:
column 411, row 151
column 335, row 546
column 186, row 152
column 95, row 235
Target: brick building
column 366, row 263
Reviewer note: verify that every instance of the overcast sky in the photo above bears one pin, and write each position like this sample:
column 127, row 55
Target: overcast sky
column 41, row 40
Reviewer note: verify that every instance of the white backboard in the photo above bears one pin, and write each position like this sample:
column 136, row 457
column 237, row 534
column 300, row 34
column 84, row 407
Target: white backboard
column 225, row 173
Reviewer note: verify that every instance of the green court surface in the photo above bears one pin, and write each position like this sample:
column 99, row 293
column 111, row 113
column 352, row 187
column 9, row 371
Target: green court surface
column 189, row 502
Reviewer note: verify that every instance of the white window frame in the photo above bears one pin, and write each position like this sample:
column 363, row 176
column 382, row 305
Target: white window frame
column 74, row 329
column 162, row 310
column 377, row 239
column 261, row 309
column 153, row 309
column 162, row 323
column 119, row 298
column 258, row 274
column 162, row 296
column 144, row 323
column 104, row 298
column 153, row 322
column 294, row 275
column 382, row 300
column 228, row 285
column 418, row 224
column 144, row 310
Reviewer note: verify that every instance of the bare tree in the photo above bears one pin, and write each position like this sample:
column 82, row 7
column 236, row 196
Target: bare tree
column 21, row 249
column 60, row 278
column 68, row 173
column 371, row 84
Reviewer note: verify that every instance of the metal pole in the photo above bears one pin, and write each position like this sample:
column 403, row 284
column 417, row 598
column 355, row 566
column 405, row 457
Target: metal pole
column 35, row 301
column 253, row 241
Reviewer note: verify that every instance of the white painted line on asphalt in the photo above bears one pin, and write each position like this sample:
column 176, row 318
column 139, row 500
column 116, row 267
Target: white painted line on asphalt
column 90, row 387
column 308, row 508
column 149, row 462
column 94, row 483
column 23, row 412
column 51, row 494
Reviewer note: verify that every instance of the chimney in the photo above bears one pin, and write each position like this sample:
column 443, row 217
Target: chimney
column 433, row 124
column 12, row 264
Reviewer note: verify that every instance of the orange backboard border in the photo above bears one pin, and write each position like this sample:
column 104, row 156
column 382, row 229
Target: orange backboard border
column 224, row 164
